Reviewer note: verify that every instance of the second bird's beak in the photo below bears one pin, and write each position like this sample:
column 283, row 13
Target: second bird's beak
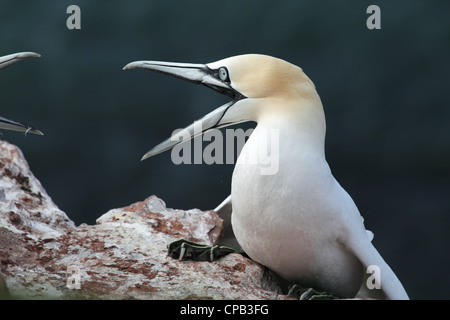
column 17, row 126
column 7, row 123
column 199, row 74
column 15, row 57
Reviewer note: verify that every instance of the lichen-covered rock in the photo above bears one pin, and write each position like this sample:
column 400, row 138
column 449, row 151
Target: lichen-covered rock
column 25, row 206
column 123, row 256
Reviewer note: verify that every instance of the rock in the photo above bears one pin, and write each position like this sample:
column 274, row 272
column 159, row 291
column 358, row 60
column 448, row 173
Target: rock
column 24, row 204
column 123, row 256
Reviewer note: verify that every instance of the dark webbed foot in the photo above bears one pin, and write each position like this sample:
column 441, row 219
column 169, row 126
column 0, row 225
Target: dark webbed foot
column 309, row 294
column 187, row 250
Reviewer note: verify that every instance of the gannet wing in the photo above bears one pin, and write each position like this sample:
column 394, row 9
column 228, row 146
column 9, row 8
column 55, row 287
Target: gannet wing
column 224, row 210
column 358, row 240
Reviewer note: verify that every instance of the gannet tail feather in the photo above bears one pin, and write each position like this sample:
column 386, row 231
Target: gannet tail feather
column 389, row 284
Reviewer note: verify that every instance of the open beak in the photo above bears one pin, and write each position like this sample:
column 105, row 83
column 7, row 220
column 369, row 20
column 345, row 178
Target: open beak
column 199, row 74
column 15, row 57
column 7, row 124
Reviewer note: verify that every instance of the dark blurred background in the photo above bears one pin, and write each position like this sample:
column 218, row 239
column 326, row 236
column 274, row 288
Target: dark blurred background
column 385, row 94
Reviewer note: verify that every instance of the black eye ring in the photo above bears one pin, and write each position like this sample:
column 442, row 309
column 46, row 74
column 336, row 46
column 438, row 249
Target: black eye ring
column 223, row 74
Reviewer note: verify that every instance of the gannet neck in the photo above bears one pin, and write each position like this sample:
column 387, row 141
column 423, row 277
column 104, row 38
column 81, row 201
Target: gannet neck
column 301, row 122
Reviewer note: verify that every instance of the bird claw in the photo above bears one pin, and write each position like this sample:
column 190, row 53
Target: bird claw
column 187, row 250
column 309, row 294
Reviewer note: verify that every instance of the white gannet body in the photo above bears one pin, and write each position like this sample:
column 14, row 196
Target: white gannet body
column 296, row 219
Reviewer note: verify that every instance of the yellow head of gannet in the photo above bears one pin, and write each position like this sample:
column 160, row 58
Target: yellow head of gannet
column 8, row 124
column 298, row 221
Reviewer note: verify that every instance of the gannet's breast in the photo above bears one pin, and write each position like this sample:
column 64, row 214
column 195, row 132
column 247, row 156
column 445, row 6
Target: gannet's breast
column 278, row 219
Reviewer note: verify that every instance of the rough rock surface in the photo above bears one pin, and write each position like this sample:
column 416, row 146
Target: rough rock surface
column 124, row 256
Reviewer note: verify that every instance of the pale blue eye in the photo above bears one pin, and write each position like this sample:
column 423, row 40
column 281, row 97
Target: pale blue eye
column 223, row 74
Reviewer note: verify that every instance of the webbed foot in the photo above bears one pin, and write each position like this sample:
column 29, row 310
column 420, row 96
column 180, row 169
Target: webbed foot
column 187, row 250
column 309, row 294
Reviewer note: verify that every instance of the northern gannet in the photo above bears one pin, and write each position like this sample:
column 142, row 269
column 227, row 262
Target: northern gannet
column 7, row 123
column 299, row 222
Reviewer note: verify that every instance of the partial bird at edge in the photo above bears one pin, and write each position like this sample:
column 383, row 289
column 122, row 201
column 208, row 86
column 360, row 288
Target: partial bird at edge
column 8, row 124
